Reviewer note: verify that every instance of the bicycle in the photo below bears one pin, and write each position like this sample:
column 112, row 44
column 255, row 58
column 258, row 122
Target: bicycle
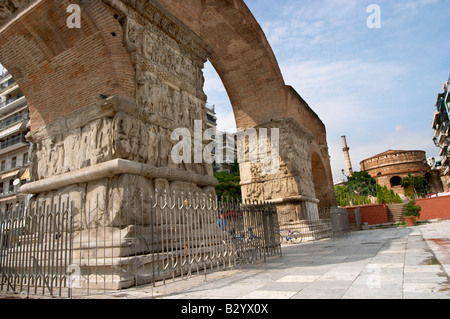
column 246, row 247
column 251, row 239
column 294, row 237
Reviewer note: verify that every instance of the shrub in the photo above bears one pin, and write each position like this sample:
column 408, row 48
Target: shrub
column 412, row 209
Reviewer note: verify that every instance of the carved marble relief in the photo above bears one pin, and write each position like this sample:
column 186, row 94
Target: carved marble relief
column 168, row 62
column 166, row 58
column 293, row 180
column 169, row 83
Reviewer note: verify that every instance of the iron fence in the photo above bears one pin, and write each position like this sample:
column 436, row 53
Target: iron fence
column 55, row 248
column 35, row 248
column 312, row 228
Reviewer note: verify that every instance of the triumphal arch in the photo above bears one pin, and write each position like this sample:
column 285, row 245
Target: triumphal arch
column 105, row 95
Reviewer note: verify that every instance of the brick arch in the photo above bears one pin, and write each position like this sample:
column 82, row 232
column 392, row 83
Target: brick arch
column 63, row 71
column 245, row 62
column 241, row 56
column 104, row 100
column 60, row 69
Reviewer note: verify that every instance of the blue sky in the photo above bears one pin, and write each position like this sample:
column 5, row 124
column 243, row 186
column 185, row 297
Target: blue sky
column 376, row 86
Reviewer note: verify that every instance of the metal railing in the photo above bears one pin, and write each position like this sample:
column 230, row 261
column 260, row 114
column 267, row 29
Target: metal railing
column 13, row 141
column 58, row 249
column 35, row 249
column 11, row 100
column 312, row 228
column 14, row 120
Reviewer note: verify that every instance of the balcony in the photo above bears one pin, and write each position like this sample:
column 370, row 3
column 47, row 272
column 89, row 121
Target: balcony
column 7, row 84
column 445, row 160
column 13, row 120
column 13, row 144
column 441, row 138
column 446, row 128
column 443, row 151
column 12, row 103
column 436, row 118
column 8, row 169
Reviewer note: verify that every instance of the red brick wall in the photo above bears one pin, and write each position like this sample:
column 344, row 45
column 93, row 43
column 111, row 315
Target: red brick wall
column 370, row 214
column 62, row 70
column 433, row 208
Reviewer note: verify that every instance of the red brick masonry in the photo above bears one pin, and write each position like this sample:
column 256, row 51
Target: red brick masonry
column 435, row 207
column 432, row 208
column 370, row 214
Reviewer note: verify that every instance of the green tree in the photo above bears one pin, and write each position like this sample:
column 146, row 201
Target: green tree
column 386, row 196
column 342, row 195
column 359, row 187
column 229, row 183
column 362, row 184
column 412, row 209
column 415, row 186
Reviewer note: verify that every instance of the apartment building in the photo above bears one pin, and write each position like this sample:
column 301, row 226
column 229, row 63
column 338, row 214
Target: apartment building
column 14, row 149
column 441, row 127
column 229, row 146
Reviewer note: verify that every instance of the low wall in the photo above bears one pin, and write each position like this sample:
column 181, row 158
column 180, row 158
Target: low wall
column 434, row 208
column 370, row 214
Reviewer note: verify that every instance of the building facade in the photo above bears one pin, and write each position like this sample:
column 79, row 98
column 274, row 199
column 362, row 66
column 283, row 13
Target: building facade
column 390, row 167
column 227, row 141
column 14, row 148
column 441, row 127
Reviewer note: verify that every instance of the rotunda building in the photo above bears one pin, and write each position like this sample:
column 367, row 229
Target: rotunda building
column 390, row 167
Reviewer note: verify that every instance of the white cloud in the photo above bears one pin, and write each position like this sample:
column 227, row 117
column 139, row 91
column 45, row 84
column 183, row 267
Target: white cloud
column 342, row 92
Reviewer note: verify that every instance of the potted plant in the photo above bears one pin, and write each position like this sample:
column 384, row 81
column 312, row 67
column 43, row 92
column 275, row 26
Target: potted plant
column 411, row 213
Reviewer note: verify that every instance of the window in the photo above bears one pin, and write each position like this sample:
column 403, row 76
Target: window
column 1, row 189
column 395, row 181
column 14, row 162
column 3, row 166
column 25, row 159
column 11, row 186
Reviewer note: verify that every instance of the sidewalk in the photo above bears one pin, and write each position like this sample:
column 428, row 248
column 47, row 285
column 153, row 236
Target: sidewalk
column 396, row 263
